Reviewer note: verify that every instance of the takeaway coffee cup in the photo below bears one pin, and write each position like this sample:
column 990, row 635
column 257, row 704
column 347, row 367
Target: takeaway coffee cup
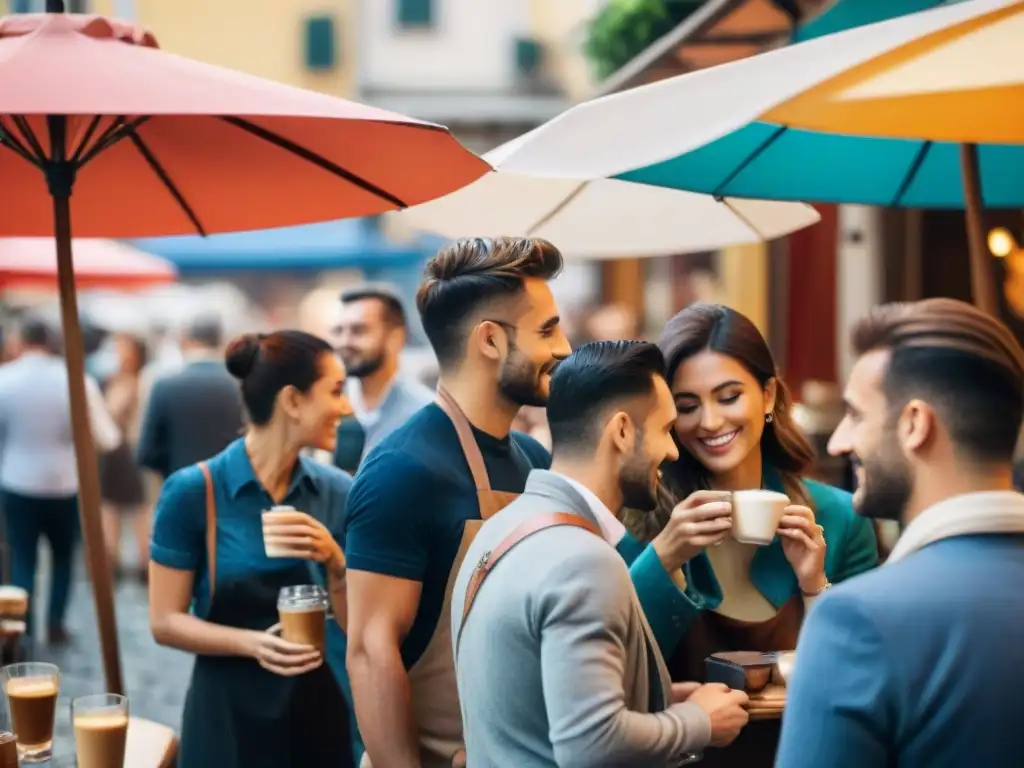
column 272, row 518
column 756, row 515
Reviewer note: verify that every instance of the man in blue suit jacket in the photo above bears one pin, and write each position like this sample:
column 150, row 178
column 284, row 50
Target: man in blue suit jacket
column 920, row 663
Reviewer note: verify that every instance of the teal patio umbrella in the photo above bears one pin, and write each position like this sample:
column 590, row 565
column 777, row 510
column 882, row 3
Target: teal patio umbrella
column 693, row 132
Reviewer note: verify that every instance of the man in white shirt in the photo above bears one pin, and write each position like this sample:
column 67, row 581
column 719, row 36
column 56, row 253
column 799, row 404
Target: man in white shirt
column 38, row 474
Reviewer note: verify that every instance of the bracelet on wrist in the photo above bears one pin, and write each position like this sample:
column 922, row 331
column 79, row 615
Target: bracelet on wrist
column 816, row 592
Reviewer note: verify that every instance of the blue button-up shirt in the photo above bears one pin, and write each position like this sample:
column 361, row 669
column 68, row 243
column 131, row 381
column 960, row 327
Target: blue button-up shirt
column 179, row 527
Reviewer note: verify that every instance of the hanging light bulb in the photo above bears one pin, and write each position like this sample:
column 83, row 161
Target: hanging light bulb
column 1001, row 242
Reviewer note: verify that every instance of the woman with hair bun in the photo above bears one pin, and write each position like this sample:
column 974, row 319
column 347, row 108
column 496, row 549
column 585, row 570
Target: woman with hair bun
column 255, row 699
column 735, row 432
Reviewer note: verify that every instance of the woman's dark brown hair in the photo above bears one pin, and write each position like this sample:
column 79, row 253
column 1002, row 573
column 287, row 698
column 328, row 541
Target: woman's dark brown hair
column 267, row 363
column 716, row 328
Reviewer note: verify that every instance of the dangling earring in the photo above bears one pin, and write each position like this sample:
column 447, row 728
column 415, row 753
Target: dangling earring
column 769, row 418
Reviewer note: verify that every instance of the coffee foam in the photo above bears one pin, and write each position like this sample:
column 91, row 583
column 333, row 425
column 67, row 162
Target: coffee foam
column 31, row 687
column 101, row 720
column 302, row 605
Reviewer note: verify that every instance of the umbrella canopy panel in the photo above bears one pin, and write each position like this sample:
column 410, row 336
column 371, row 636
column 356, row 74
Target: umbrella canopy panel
column 606, row 218
column 765, row 160
column 31, row 262
column 165, row 121
column 962, row 83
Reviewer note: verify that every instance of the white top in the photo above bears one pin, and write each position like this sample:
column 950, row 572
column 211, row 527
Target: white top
column 611, row 527
column 37, row 452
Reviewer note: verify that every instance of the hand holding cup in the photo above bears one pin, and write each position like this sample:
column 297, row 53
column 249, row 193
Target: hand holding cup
column 702, row 520
column 277, row 655
column 290, row 533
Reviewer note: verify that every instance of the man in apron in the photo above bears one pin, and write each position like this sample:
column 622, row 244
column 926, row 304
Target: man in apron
column 423, row 493
column 421, row 496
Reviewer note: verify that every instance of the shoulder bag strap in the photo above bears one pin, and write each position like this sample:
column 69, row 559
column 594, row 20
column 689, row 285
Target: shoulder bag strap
column 211, row 527
column 518, row 534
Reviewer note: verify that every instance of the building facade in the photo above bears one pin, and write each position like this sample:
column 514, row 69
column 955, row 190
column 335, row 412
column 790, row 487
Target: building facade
column 307, row 43
column 488, row 70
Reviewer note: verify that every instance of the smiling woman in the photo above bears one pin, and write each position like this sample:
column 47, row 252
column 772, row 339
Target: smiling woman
column 217, row 568
column 735, row 432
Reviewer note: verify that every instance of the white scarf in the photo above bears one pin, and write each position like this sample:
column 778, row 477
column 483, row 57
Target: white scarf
column 970, row 513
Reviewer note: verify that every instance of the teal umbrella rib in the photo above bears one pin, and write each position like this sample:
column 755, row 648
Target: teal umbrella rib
column 912, row 172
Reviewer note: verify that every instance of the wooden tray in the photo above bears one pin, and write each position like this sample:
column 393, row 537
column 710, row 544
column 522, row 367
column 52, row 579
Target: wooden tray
column 767, row 704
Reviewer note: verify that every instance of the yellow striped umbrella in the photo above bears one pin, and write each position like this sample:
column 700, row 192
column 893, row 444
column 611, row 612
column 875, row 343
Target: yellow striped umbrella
column 963, row 83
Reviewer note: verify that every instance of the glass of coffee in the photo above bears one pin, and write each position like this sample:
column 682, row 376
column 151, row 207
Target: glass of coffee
column 303, row 613
column 8, row 744
column 101, row 730
column 32, row 689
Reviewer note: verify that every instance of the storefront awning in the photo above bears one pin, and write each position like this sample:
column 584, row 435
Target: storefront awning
column 315, row 247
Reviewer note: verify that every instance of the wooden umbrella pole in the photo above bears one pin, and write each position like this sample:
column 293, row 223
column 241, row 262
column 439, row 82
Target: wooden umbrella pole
column 983, row 279
column 60, row 178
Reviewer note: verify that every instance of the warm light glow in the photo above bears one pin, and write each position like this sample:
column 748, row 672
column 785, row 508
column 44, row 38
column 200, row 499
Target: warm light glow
column 1001, row 242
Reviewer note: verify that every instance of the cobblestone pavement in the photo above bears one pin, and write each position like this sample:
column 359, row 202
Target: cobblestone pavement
column 155, row 678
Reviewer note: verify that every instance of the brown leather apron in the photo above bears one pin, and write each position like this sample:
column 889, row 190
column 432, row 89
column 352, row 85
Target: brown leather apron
column 713, row 633
column 435, row 696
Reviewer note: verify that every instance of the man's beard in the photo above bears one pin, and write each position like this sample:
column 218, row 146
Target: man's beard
column 636, row 481
column 361, row 368
column 887, row 485
column 520, row 380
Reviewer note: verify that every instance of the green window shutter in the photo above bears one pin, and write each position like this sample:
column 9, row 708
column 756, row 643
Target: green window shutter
column 528, row 55
column 320, row 43
column 415, row 13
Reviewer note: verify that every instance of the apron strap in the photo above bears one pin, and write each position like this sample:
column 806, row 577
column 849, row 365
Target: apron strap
column 211, row 527
column 470, row 449
column 491, row 557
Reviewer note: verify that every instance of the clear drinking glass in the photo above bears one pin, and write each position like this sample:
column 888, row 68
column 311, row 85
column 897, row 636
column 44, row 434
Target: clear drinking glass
column 101, row 730
column 8, row 745
column 32, row 689
column 302, row 610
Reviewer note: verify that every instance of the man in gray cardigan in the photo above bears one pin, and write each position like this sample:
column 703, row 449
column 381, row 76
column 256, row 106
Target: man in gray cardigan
column 556, row 663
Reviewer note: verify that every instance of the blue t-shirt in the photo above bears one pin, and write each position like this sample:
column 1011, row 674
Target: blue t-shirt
column 411, row 499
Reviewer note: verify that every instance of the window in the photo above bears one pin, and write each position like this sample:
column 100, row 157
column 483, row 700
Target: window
column 320, row 43
column 415, row 13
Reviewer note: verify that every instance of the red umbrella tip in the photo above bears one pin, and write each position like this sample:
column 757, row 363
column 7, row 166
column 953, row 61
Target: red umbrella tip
column 90, row 25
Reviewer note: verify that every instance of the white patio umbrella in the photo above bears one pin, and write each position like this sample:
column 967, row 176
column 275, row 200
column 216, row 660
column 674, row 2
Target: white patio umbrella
column 601, row 218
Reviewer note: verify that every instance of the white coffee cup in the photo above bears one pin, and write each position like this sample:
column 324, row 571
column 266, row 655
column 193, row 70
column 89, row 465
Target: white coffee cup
column 756, row 515
column 271, row 518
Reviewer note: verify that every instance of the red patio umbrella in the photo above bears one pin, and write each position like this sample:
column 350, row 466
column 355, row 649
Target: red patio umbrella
column 104, row 130
column 31, row 262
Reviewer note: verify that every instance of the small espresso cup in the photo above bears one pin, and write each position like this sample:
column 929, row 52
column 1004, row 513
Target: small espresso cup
column 756, row 515
column 278, row 515
column 302, row 611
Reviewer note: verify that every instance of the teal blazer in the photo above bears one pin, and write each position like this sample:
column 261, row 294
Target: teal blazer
column 852, row 549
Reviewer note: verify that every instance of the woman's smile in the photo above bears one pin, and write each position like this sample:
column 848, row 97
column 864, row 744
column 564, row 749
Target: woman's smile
column 720, row 444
